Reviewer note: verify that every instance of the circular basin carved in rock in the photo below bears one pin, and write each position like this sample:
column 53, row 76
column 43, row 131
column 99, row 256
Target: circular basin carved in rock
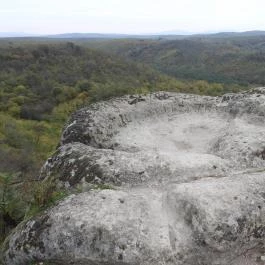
column 182, row 182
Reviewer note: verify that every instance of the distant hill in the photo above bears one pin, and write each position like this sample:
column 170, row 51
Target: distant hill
column 175, row 32
column 253, row 33
column 16, row 35
column 166, row 34
column 87, row 35
column 169, row 35
column 101, row 36
column 223, row 57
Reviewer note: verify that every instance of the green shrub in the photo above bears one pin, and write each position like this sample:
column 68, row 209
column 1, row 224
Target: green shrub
column 45, row 194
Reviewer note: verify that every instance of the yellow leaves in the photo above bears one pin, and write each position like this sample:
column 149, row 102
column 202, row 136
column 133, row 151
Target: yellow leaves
column 20, row 89
column 62, row 111
column 14, row 110
column 41, row 137
column 66, row 93
column 43, row 192
column 82, row 96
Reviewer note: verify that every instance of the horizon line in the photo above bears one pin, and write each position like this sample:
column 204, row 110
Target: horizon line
column 166, row 32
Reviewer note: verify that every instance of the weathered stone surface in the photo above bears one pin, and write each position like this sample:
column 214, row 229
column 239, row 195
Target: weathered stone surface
column 188, row 184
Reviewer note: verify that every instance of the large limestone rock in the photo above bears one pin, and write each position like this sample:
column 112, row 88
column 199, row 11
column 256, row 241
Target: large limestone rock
column 185, row 178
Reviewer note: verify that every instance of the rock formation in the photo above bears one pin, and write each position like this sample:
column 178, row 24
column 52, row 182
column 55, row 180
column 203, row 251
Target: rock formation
column 182, row 182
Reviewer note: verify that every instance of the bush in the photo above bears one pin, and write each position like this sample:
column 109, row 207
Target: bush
column 12, row 204
column 36, row 111
column 45, row 194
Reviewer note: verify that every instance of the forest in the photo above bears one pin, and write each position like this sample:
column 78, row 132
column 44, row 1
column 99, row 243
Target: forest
column 43, row 81
column 214, row 58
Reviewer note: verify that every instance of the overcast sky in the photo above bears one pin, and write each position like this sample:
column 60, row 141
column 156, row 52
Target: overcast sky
column 130, row 16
